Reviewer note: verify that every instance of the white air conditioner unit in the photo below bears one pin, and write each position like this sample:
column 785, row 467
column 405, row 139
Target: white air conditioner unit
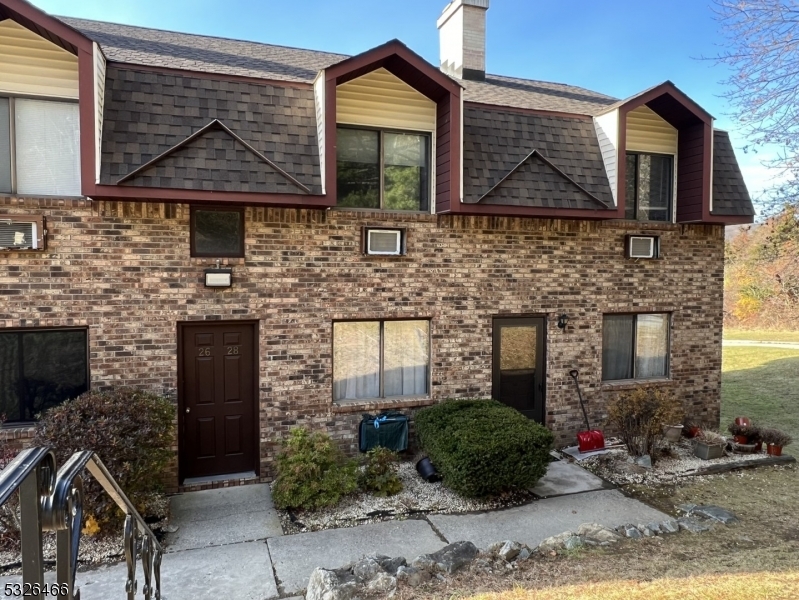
column 384, row 241
column 642, row 246
column 21, row 234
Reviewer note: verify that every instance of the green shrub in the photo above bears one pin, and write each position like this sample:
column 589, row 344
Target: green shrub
column 379, row 475
column 640, row 416
column 131, row 431
column 482, row 447
column 312, row 472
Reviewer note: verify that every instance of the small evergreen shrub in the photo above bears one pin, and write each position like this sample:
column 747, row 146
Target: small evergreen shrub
column 482, row 447
column 379, row 474
column 640, row 416
column 130, row 430
column 312, row 472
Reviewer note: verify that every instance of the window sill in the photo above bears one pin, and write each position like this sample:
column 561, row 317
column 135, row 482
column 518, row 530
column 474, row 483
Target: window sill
column 382, row 211
column 377, row 405
column 10, row 431
column 630, row 384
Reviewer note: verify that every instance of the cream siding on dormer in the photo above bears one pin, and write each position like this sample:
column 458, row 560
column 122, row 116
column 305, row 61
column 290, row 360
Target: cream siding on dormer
column 379, row 99
column 648, row 132
column 32, row 65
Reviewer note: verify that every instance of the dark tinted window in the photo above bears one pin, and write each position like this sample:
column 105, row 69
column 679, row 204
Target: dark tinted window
column 40, row 369
column 649, row 187
column 358, row 168
column 217, row 232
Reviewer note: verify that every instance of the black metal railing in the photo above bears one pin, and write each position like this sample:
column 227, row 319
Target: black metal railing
column 52, row 500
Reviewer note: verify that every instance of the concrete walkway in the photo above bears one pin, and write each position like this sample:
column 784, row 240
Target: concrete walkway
column 229, row 543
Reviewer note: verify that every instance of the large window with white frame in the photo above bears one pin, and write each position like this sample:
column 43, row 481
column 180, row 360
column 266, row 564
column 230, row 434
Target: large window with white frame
column 382, row 169
column 635, row 346
column 380, row 359
column 39, row 147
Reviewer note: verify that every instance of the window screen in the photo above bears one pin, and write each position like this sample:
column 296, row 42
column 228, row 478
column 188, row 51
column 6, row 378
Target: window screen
column 635, row 346
column 40, row 369
column 5, row 147
column 47, row 147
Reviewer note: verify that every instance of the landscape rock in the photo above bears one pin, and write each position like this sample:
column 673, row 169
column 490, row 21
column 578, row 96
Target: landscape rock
column 366, row 569
column 632, row 532
column 644, row 461
column 454, row 557
column 573, row 542
column 509, row 551
column 670, row 526
column 424, row 563
column 593, row 533
column 324, row 585
column 391, row 565
column 412, row 577
column 383, row 582
column 654, row 528
column 524, row 554
column 716, row 513
column 645, row 530
column 692, row 525
column 686, row 508
column 555, row 542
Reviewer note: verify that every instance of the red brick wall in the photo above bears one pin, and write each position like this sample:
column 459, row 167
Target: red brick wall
column 124, row 270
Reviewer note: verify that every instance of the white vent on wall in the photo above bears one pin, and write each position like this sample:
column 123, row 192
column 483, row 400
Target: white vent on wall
column 19, row 236
column 642, row 246
column 384, row 241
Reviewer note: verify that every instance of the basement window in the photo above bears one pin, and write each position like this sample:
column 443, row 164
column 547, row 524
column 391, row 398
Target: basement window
column 39, row 147
column 40, row 369
column 387, row 170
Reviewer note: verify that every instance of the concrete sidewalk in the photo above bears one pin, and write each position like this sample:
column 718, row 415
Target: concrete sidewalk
column 229, row 543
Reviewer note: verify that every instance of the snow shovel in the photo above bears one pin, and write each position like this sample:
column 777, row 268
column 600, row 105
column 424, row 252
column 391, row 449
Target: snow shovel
column 589, row 440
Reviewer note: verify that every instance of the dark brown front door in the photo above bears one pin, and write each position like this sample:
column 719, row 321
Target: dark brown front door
column 217, row 399
column 518, row 374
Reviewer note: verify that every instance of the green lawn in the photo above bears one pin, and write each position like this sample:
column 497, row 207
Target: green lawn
column 763, row 384
column 761, row 336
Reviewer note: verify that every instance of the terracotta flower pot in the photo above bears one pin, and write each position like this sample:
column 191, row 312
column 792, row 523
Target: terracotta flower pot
column 759, row 448
column 774, row 450
column 743, row 421
column 741, row 439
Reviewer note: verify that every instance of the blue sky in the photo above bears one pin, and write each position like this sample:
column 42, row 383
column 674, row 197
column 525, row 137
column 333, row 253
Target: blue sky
column 618, row 47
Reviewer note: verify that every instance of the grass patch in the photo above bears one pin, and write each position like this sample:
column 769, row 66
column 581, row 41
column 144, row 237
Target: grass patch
column 760, row 335
column 758, row 586
column 763, row 384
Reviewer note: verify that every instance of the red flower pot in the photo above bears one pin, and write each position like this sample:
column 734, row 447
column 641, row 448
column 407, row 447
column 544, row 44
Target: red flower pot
column 741, row 439
column 774, row 450
column 759, row 448
column 743, row 421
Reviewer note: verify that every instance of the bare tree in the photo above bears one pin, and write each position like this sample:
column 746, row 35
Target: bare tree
column 762, row 50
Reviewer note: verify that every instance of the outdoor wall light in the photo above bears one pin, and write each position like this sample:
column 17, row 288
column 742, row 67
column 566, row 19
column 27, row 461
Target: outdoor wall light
column 562, row 321
column 219, row 277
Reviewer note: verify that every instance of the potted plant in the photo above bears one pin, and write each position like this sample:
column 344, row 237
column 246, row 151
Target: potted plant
column 756, row 438
column 740, row 432
column 775, row 440
column 691, row 429
column 744, row 421
column 673, row 432
column 709, row 444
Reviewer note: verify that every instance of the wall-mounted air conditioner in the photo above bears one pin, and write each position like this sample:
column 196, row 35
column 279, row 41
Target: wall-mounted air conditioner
column 642, row 246
column 387, row 242
column 22, row 233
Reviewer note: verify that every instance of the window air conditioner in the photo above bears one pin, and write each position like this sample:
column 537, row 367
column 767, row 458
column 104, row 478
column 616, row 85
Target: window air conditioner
column 384, row 241
column 21, row 235
column 639, row 246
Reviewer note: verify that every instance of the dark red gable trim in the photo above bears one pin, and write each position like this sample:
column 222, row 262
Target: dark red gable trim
column 149, row 194
column 42, row 24
column 411, row 68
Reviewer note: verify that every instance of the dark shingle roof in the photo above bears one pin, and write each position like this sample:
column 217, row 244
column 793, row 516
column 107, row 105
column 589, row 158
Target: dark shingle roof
column 730, row 196
column 495, row 142
column 146, row 114
column 155, row 47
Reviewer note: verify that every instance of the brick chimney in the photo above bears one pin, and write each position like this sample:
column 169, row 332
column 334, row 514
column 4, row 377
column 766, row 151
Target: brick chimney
column 462, row 34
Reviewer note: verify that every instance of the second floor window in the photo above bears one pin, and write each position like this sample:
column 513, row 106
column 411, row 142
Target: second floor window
column 383, row 169
column 650, row 179
column 39, row 147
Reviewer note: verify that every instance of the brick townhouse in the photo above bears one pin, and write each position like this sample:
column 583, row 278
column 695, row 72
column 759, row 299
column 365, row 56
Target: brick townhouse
column 278, row 237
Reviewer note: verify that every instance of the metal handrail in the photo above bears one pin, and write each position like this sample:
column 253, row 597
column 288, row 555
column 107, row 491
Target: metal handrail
column 51, row 501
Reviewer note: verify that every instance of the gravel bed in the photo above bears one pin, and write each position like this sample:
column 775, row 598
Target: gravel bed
column 416, row 498
column 677, row 461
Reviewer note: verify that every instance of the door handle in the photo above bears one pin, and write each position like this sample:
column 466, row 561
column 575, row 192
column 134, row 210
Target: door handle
column 188, row 410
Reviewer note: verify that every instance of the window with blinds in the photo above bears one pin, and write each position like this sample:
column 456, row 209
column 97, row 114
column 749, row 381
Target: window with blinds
column 39, row 147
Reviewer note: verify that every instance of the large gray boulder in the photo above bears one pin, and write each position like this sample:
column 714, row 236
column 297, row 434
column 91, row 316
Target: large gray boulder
column 453, row 557
column 325, row 585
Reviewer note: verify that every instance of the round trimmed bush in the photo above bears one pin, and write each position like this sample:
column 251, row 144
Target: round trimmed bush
column 482, row 447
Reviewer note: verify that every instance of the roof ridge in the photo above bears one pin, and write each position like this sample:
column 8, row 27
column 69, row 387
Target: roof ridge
column 200, row 35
